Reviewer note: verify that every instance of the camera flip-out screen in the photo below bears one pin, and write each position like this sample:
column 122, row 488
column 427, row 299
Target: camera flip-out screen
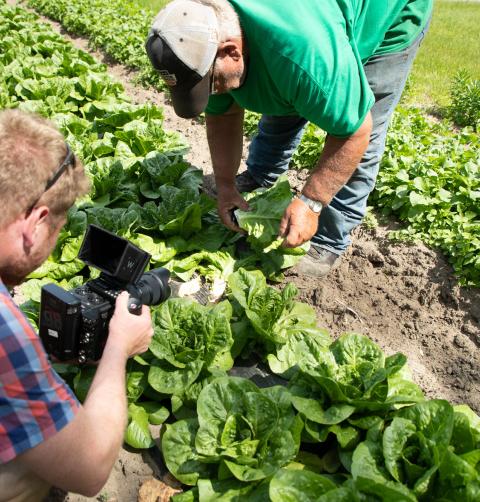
column 113, row 255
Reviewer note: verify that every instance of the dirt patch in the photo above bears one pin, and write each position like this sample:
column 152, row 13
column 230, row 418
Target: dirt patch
column 403, row 296
column 406, row 299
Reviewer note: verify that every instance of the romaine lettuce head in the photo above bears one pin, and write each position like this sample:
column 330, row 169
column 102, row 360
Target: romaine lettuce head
column 262, row 222
column 348, row 381
column 274, row 314
column 252, row 431
column 287, row 326
column 179, row 211
column 414, row 457
column 188, row 338
column 354, row 370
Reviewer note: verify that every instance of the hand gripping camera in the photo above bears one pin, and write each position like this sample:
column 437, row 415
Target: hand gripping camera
column 74, row 324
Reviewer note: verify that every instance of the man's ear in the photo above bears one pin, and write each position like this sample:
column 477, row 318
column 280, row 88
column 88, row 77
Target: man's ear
column 32, row 223
column 231, row 48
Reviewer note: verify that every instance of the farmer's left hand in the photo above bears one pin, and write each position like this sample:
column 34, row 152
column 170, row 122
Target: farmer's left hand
column 298, row 225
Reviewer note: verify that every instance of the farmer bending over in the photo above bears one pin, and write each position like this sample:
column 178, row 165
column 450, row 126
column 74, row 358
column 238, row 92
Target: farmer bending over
column 46, row 436
column 340, row 64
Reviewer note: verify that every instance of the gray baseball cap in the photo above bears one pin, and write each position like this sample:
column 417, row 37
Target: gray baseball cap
column 182, row 46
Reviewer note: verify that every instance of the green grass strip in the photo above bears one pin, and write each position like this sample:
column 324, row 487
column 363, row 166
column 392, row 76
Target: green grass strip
column 450, row 45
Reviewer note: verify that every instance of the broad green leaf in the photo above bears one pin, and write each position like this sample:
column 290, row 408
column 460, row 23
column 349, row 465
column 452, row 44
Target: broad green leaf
column 298, row 486
column 181, row 457
column 157, row 414
column 137, row 433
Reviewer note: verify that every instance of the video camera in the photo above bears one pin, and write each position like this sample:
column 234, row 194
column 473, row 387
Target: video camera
column 74, row 324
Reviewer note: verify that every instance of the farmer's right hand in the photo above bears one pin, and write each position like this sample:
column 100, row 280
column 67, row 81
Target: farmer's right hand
column 229, row 199
column 131, row 333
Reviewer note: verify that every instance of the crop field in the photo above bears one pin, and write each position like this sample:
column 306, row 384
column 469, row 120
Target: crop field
column 365, row 386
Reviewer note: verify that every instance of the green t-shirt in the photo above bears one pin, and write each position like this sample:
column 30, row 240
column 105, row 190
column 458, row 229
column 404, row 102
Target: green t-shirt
column 306, row 57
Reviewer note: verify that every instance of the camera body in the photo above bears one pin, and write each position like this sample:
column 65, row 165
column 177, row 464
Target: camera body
column 74, row 324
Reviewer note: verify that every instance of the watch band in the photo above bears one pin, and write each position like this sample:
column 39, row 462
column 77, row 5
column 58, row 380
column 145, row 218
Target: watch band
column 314, row 205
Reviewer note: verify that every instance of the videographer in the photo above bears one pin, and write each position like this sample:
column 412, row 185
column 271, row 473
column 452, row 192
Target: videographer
column 46, row 436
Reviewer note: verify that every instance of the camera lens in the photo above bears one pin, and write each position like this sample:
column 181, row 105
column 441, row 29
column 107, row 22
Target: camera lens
column 153, row 287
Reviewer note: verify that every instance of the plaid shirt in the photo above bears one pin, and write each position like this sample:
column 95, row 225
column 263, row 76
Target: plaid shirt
column 35, row 403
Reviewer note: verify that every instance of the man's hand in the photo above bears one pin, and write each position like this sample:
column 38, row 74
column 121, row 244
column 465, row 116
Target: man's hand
column 132, row 333
column 228, row 199
column 298, row 225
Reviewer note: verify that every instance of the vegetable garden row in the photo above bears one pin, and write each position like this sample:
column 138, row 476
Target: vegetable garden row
column 346, row 422
column 430, row 177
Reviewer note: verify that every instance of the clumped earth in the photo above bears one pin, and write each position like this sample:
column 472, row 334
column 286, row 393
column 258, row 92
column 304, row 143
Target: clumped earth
column 404, row 296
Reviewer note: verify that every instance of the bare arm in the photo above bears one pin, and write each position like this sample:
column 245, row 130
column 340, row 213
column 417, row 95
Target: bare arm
column 225, row 140
column 80, row 457
column 339, row 159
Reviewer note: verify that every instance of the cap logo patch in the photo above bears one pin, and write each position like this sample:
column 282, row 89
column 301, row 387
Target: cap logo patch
column 169, row 78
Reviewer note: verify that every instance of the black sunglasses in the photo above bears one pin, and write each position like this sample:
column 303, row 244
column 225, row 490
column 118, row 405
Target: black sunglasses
column 69, row 160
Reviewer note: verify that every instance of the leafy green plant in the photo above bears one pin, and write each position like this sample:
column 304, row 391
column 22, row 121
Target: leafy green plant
column 250, row 123
column 348, row 387
column 246, row 432
column 189, row 338
column 262, row 221
column 310, row 148
column 287, row 328
column 119, row 28
column 464, row 109
column 429, row 180
column 417, row 456
column 140, row 415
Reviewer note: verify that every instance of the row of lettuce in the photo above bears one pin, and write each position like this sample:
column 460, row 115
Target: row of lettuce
column 322, row 420
column 430, row 174
column 347, row 423
column 117, row 27
column 339, row 421
column 141, row 187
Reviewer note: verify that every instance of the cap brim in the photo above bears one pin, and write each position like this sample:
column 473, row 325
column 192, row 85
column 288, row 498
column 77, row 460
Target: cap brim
column 190, row 101
column 190, row 95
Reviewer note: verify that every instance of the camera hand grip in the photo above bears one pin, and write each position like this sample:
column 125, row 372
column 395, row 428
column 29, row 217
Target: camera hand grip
column 134, row 305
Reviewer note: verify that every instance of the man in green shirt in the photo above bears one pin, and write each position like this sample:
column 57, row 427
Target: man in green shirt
column 340, row 64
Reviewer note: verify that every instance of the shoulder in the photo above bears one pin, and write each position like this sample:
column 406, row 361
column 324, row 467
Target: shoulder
column 20, row 343
column 12, row 319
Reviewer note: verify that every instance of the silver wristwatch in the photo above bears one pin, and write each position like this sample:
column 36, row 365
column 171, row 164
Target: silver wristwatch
column 314, row 205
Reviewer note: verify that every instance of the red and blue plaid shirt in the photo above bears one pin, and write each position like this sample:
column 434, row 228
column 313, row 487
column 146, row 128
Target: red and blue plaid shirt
column 35, row 403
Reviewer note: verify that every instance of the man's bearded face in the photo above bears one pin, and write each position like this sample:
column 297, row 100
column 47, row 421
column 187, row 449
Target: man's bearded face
column 20, row 266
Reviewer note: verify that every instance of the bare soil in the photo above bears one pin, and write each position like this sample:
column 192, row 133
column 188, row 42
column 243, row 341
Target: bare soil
column 404, row 296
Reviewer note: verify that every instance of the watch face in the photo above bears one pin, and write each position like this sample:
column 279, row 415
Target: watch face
column 314, row 205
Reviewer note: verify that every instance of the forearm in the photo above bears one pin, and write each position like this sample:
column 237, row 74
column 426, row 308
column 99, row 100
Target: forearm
column 225, row 140
column 79, row 458
column 106, row 406
column 338, row 161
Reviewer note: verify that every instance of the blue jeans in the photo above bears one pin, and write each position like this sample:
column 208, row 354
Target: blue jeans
column 278, row 137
